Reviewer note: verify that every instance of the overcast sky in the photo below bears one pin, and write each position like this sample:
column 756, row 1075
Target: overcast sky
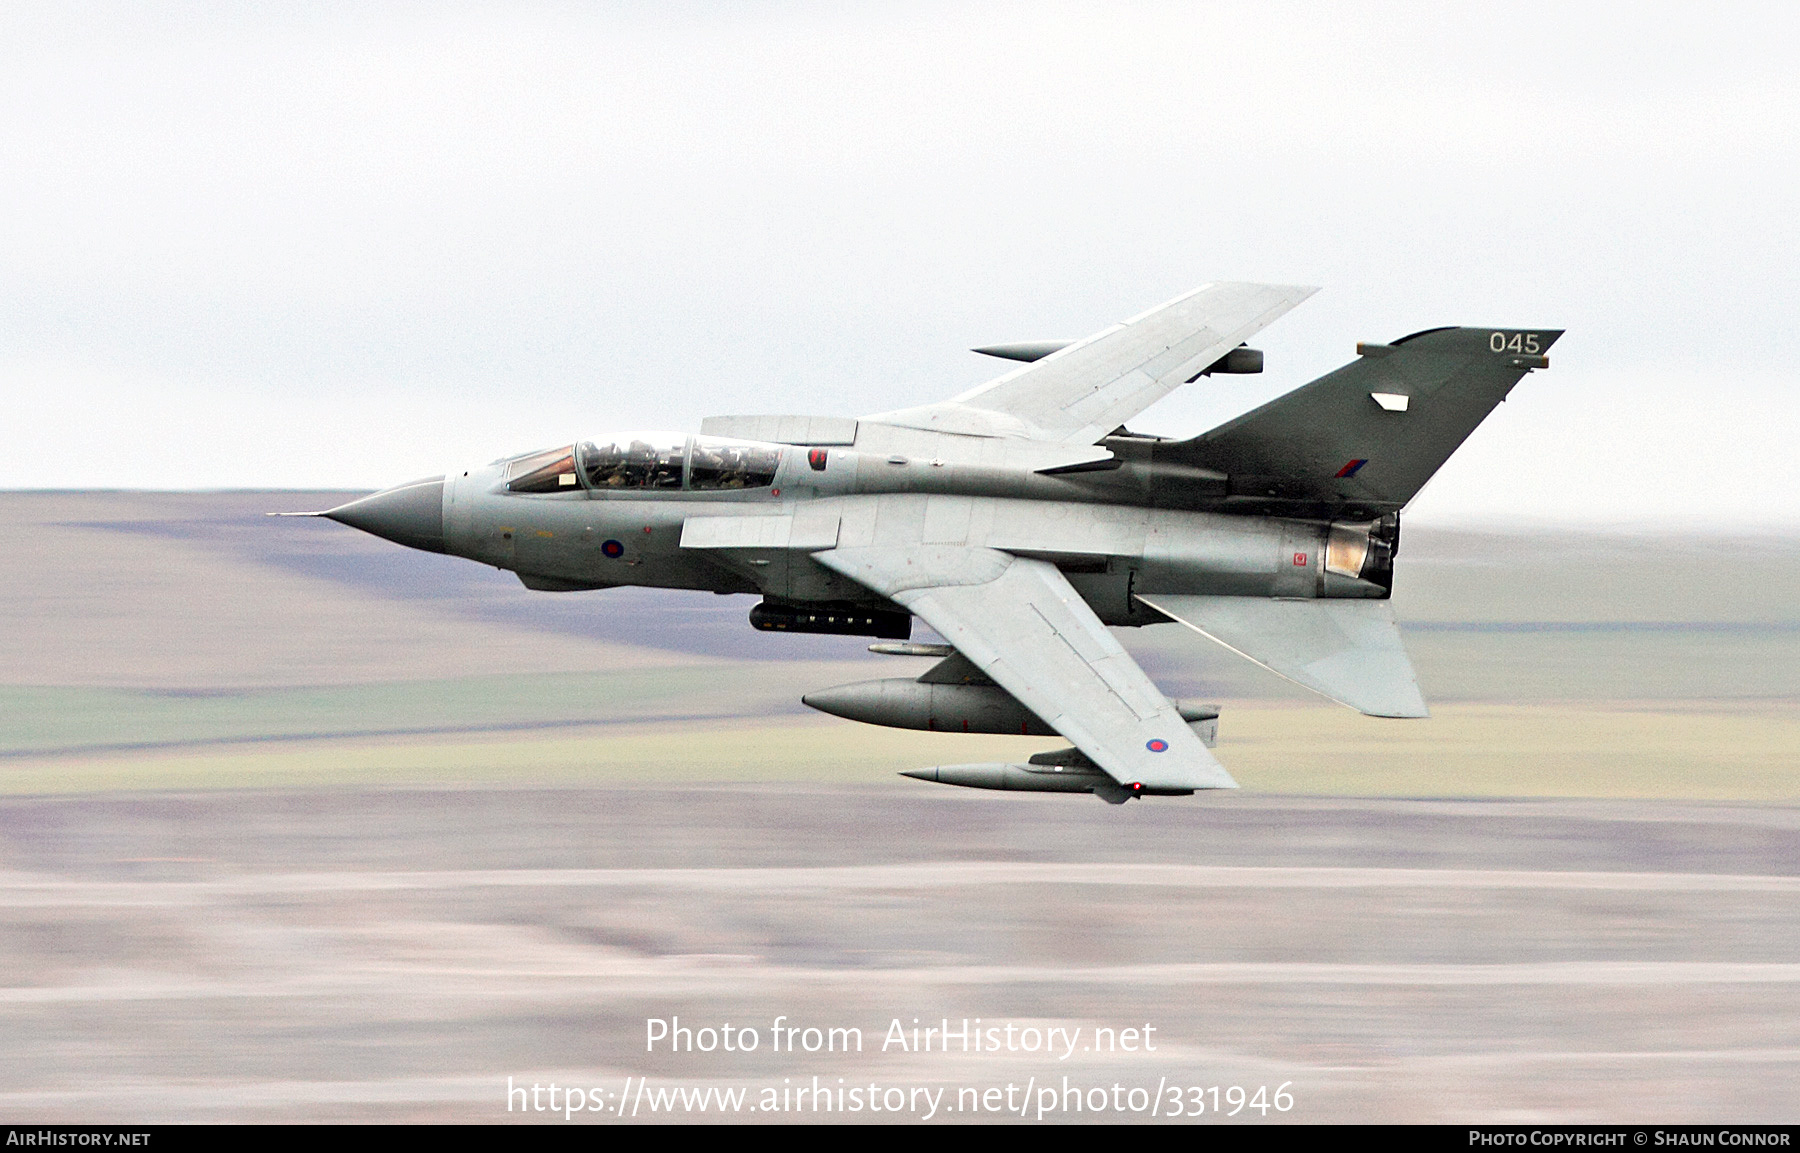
column 347, row 245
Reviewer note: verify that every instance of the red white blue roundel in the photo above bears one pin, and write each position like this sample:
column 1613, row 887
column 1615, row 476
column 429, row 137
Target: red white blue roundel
column 1157, row 745
column 613, row 549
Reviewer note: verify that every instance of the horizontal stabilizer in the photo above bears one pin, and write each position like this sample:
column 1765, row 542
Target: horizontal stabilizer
column 1348, row 650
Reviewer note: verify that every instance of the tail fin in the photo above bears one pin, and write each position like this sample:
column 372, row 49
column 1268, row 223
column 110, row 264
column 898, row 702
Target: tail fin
column 1362, row 440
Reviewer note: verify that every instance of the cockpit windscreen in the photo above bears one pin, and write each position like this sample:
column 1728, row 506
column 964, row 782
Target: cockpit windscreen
column 549, row 471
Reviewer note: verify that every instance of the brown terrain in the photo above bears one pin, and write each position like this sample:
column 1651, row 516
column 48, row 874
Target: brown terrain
column 297, row 825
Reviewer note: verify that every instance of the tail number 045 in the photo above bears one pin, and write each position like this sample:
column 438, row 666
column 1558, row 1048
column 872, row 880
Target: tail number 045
column 1518, row 342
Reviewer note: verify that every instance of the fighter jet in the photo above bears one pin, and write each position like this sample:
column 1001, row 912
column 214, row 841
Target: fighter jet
column 1021, row 520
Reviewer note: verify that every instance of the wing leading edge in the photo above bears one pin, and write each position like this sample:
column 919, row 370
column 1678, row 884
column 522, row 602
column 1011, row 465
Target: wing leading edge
column 1020, row 622
column 1082, row 392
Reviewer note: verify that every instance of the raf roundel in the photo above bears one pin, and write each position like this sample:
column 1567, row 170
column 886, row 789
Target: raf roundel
column 613, row 549
column 1157, row 746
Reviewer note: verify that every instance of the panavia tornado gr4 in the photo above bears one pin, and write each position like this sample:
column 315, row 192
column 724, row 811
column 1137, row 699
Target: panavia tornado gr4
column 1022, row 519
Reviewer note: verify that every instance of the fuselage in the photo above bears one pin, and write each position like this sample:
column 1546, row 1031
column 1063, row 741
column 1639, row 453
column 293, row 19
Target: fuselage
column 667, row 511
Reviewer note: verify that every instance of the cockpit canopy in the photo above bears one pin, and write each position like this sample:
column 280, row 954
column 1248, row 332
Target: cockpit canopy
column 649, row 460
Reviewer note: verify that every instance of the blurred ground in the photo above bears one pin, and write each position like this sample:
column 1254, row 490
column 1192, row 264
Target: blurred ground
column 295, row 823
column 1657, row 749
column 398, row 954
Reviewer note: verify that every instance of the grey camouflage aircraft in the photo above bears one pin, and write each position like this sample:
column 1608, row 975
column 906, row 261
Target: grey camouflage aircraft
column 1021, row 519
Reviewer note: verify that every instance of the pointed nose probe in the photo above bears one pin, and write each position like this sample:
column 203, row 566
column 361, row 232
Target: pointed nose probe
column 410, row 514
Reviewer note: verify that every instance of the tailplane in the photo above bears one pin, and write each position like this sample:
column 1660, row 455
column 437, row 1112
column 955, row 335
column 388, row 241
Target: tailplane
column 1348, row 650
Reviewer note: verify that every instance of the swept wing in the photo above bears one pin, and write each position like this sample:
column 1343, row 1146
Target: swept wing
column 1021, row 624
column 1084, row 391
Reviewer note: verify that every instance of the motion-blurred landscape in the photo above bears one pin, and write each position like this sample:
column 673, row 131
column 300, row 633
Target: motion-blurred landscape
column 298, row 824
column 162, row 640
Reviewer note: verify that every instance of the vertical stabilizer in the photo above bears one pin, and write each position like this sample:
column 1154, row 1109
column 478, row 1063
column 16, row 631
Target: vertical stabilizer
column 1365, row 438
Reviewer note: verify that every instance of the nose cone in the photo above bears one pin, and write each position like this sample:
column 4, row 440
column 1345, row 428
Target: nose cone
column 409, row 514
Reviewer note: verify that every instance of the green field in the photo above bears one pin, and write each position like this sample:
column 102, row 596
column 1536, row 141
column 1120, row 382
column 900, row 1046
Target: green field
column 50, row 719
column 179, row 641
column 1652, row 751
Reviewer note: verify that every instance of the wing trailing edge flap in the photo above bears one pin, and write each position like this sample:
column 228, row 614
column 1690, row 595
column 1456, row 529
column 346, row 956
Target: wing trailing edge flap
column 1020, row 623
column 1348, row 650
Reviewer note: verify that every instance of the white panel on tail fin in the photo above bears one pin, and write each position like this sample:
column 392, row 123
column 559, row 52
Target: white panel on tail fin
column 1349, row 650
